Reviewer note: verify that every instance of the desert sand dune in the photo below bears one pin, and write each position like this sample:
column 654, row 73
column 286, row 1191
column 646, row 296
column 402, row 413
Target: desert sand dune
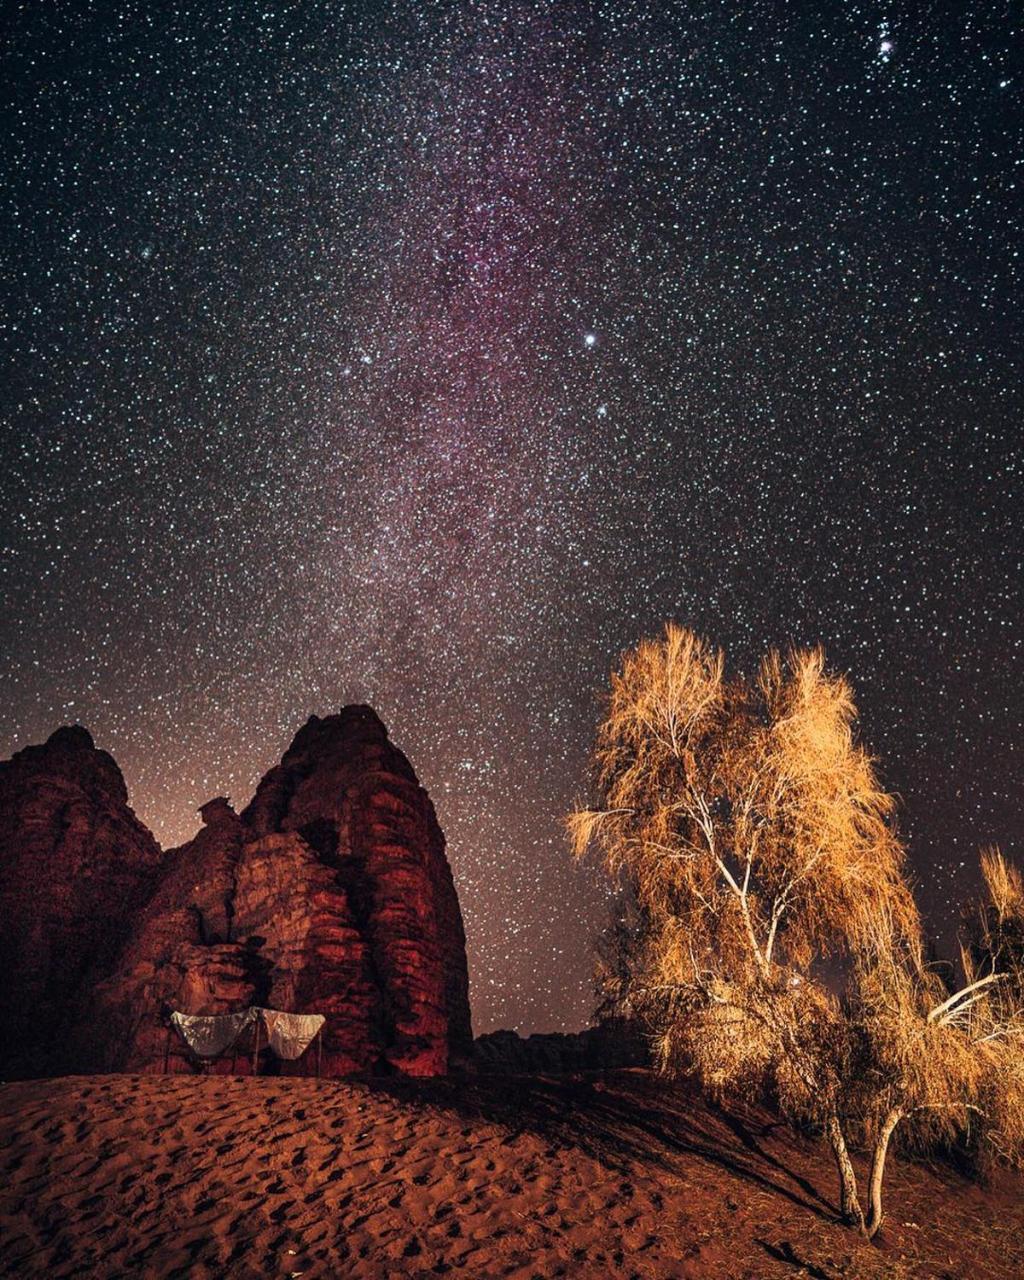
column 119, row 1176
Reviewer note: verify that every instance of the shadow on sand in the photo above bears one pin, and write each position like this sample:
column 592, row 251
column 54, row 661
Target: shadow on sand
column 622, row 1119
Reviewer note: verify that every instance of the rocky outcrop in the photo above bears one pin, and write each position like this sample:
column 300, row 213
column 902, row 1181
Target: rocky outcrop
column 330, row 893
column 611, row 1045
column 75, row 863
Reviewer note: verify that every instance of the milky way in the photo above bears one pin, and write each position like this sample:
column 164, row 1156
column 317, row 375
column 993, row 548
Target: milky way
column 429, row 355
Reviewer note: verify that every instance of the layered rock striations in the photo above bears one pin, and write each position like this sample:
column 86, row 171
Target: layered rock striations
column 330, row 893
column 75, row 864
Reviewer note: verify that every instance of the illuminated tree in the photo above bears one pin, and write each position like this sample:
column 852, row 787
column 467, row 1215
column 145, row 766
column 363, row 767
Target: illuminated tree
column 781, row 947
column 948, row 1066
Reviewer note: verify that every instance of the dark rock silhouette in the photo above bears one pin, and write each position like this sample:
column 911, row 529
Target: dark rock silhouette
column 611, row 1044
column 75, row 863
column 329, row 893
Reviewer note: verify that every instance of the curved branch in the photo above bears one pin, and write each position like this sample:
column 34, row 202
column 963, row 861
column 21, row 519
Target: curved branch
column 945, row 1012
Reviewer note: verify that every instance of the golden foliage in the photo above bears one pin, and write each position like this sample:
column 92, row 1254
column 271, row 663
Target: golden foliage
column 757, row 839
column 781, row 946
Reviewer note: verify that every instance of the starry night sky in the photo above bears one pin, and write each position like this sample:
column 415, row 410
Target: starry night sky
column 430, row 355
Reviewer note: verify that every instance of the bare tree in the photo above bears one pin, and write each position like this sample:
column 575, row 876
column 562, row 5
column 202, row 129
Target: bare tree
column 781, row 947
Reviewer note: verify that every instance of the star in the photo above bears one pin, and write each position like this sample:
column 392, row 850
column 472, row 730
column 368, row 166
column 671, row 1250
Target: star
column 296, row 413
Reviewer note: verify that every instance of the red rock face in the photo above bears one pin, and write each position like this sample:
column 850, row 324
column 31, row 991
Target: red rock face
column 353, row 796
column 75, row 863
column 330, row 893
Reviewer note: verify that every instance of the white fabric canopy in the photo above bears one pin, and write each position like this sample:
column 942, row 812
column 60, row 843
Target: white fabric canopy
column 288, row 1034
column 291, row 1034
column 209, row 1035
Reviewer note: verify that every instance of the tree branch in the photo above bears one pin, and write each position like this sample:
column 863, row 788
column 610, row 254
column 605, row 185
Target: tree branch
column 943, row 1013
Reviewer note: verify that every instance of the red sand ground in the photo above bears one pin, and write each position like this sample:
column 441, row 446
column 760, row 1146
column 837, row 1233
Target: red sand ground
column 120, row 1176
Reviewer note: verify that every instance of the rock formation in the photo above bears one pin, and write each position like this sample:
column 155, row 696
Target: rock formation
column 330, row 893
column 75, row 863
column 611, row 1045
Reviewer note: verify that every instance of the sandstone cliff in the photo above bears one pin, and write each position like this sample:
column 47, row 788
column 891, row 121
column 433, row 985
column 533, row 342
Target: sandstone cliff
column 75, row 863
column 330, row 893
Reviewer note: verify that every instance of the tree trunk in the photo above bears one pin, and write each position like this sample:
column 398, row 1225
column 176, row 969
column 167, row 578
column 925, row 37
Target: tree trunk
column 878, row 1170
column 849, row 1204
